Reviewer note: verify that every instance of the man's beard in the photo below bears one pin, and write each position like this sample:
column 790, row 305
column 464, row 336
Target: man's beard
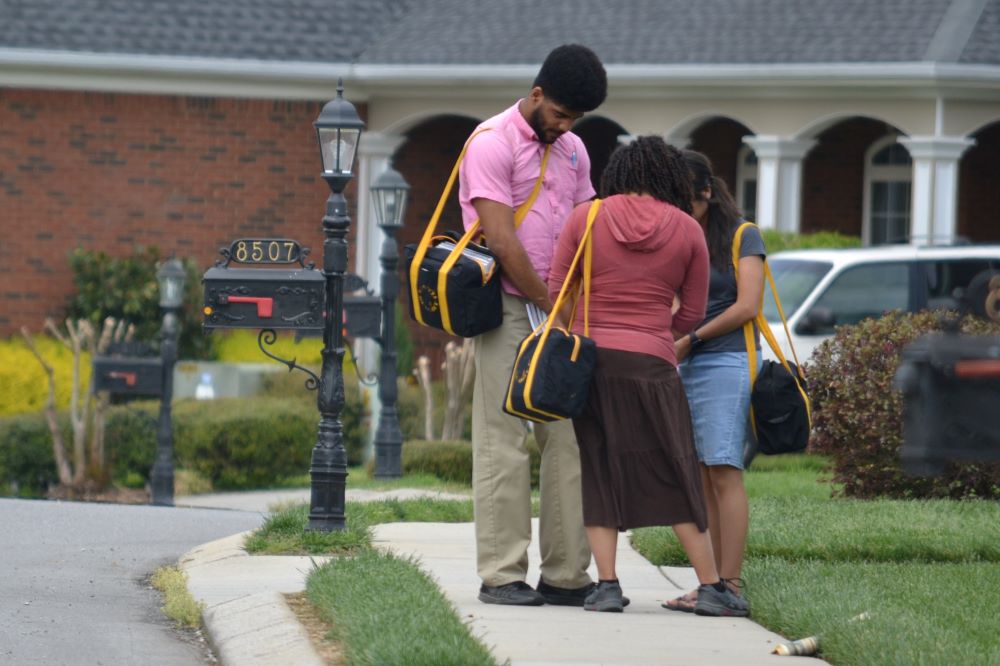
column 535, row 122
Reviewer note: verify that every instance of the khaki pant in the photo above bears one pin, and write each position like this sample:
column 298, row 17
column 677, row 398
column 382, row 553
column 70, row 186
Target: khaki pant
column 501, row 478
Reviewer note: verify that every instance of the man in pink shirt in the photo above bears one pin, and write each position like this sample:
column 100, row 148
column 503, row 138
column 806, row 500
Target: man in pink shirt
column 498, row 175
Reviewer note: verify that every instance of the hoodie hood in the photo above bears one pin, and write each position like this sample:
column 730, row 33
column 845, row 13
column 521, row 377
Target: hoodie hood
column 642, row 223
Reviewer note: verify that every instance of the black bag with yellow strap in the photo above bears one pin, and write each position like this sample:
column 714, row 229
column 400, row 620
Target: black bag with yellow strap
column 553, row 367
column 454, row 282
column 780, row 410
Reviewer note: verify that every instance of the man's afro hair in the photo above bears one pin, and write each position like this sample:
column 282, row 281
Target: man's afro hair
column 573, row 76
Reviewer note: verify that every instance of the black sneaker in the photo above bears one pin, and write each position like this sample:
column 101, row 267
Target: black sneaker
column 606, row 598
column 517, row 593
column 564, row 596
column 715, row 603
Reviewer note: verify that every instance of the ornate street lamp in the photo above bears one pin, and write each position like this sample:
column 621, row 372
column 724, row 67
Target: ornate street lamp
column 389, row 195
column 171, row 277
column 338, row 129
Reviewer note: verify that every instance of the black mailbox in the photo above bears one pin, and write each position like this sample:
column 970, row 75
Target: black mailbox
column 951, row 393
column 132, row 376
column 363, row 316
column 264, row 298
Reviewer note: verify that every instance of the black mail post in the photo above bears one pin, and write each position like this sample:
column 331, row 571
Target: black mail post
column 132, row 376
column 951, row 388
column 264, row 298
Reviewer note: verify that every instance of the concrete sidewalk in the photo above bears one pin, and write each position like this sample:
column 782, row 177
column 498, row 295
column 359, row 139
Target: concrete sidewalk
column 250, row 624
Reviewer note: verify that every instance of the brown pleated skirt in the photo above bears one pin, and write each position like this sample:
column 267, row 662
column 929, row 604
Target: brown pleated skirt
column 636, row 446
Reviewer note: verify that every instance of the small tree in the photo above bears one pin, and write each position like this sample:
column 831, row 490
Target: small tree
column 87, row 463
column 459, row 372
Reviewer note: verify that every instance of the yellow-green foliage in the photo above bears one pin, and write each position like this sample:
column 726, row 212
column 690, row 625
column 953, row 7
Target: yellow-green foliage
column 178, row 604
column 241, row 347
column 23, row 384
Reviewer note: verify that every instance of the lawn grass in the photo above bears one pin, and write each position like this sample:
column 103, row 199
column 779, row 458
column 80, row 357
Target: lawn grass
column 926, row 572
column 382, row 609
column 919, row 613
column 385, row 610
column 358, row 478
column 284, row 532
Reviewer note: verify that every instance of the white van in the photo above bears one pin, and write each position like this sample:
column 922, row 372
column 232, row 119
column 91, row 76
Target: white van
column 821, row 289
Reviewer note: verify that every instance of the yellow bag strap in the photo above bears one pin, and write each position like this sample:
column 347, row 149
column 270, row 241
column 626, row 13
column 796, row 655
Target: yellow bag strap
column 585, row 249
column 765, row 329
column 463, row 242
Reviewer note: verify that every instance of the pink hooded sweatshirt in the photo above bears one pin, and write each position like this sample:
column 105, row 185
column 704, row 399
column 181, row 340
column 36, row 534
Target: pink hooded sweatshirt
column 645, row 251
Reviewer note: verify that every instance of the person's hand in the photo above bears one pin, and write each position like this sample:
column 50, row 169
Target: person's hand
column 682, row 348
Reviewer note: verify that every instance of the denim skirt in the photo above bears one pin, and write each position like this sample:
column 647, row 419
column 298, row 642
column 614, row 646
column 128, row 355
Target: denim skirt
column 717, row 385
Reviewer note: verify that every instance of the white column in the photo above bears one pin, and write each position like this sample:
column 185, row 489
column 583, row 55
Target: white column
column 779, row 180
column 934, row 203
column 375, row 154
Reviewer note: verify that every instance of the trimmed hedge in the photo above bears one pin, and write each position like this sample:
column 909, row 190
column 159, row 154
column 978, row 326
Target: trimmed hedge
column 239, row 443
column 450, row 461
column 858, row 413
column 776, row 241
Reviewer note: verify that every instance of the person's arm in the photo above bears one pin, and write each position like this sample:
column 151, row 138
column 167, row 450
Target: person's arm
column 749, row 291
column 498, row 227
column 569, row 242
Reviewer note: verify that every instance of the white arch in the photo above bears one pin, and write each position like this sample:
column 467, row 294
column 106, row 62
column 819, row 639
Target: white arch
column 683, row 130
column 981, row 127
column 405, row 124
column 819, row 125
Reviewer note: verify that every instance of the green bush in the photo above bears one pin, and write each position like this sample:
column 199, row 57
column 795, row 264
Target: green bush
column 27, row 466
column 858, row 413
column 126, row 288
column 450, row 461
column 776, row 241
column 239, row 443
column 245, row 442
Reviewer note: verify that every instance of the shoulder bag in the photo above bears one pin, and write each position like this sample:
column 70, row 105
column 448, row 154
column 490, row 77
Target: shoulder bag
column 780, row 410
column 455, row 283
column 553, row 367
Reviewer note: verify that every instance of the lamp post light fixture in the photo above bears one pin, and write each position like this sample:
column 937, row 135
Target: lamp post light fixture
column 171, row 278
column 389, row 195
column 338, row 129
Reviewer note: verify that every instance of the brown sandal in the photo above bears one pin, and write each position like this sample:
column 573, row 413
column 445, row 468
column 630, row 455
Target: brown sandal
column 684, row 603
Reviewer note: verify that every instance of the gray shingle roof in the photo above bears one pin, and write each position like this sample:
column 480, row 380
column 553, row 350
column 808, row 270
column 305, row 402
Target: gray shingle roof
column 443, row 32
column 984, row 45
column 663, row 31
column 283, row 30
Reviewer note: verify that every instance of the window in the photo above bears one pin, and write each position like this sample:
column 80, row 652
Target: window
column 888, row 181
column 746, row 182
column 795, row 279
column 950, row 281
column 862, row 292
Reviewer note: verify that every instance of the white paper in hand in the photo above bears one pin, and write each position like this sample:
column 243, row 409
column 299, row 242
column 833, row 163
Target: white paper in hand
column 536, row 317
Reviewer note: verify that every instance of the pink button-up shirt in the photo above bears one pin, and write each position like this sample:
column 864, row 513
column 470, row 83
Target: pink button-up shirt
column 503, row 164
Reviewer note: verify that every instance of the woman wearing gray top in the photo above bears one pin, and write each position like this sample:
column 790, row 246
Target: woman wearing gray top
column 716, row 372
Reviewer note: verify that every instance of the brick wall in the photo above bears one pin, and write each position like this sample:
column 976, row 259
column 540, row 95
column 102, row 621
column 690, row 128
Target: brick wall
column 833, row 176
column 111, row 172
column 978, row 194
column 426, row 160
column 720, row 140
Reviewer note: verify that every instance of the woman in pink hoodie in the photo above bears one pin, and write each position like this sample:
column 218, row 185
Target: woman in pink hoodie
column 637, row 454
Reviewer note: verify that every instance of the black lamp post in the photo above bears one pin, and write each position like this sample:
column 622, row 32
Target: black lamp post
column 339, row 130
column 171, row 277
column 389, row 194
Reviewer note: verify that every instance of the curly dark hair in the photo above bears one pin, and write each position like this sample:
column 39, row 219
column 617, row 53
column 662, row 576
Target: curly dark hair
column 723, row 214
column 573, row 76
column 649, row 165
